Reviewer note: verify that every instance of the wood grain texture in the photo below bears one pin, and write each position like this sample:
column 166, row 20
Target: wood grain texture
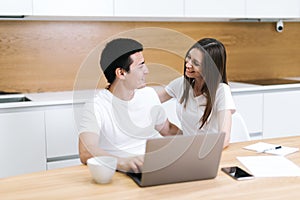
column 76, row 183
column 43, row 56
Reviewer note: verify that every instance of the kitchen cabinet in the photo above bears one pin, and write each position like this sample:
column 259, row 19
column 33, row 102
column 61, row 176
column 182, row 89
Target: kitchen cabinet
column 281, row 114
column 61, row 133
column 145, row 8
column 185, row 9
column 38, row 138
column 15, row 7
column 61, row 136
column 73, row 7
column 273, row 9
column 250, row 106
column 257, row 9
column 22, row 143
column 215, row 8
column 63, row 163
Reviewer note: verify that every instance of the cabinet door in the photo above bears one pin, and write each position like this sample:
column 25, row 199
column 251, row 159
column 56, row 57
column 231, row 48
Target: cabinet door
column 22, row 143
column 273, row 9
column 146, row 8
column 15, row 7
column 61, row 133
column 215, row 8
column 73, row 7
column 281, row 114
column 250, row 106
column 63, row 163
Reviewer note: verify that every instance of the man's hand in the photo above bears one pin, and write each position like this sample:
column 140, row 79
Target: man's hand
column 130, row 164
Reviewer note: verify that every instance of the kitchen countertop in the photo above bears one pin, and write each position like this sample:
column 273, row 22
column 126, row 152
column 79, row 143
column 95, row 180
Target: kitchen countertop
column 50, row 99
column 77, row 97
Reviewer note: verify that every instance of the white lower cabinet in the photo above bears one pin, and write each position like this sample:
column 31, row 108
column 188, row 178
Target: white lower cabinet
column 61, row 136
column 63, row 163
column 38, row 139
column 281, row 114
column 22, row 143
column 270, row 114
column 250, row 107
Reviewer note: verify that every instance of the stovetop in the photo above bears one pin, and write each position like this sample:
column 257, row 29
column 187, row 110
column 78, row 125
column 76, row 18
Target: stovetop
column 274, row 81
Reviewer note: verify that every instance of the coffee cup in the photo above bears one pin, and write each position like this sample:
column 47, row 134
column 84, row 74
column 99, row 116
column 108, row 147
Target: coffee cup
column 102, row 168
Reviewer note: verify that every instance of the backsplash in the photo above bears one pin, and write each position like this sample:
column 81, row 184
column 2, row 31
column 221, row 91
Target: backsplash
column 44, row 56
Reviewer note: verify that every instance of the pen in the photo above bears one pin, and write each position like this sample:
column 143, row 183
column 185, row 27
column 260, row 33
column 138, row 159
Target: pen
column 273, row 148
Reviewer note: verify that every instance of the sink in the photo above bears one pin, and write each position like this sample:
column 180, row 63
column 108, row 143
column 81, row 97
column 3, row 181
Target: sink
column 13, row 98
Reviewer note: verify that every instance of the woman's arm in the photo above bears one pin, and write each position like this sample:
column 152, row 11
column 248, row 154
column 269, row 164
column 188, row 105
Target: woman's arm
column 162, row 94
column 168, row 129
column 224, row 122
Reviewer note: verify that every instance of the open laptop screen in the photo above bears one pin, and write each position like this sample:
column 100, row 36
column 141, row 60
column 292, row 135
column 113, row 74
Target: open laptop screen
column 180, row 158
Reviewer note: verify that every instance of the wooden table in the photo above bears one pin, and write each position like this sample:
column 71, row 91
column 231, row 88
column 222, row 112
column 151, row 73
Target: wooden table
column 76, row 183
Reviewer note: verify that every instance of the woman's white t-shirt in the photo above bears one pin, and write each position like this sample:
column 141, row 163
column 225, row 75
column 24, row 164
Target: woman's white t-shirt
column 191, row 115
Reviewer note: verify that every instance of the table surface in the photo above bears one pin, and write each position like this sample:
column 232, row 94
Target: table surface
column 76, row 183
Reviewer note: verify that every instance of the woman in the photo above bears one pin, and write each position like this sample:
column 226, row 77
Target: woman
column 205, row 103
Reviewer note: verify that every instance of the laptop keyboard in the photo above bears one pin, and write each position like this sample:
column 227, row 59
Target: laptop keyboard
column 137, row 176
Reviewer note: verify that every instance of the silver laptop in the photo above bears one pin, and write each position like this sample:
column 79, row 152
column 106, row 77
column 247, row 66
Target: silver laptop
column 180, row 158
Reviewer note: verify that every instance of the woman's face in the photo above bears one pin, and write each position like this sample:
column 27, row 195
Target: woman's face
column 194, row 64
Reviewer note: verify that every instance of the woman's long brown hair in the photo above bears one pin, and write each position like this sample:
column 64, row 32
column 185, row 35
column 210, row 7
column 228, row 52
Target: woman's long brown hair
column 213, row 72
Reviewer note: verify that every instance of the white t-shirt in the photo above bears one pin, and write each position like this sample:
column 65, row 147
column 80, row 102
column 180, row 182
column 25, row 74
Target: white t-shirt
column 191, row 115
column 123, row 126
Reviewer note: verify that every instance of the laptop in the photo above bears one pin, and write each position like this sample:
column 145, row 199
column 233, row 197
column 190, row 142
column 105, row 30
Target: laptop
column 181, row 158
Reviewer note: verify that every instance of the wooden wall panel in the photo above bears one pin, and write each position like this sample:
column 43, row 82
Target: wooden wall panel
column 41, row 56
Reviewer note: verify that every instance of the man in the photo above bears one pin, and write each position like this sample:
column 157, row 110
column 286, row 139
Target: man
column 123, row 116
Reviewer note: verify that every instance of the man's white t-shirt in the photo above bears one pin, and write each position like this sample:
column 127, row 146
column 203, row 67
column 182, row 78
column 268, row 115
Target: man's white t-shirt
column 190, row 116
column 123, row 126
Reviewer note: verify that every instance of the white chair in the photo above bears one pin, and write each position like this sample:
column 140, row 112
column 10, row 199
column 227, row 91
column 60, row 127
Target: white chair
column 239, row 130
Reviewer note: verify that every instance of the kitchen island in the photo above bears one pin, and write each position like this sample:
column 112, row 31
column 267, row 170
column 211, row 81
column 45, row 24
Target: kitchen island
column 76, row 183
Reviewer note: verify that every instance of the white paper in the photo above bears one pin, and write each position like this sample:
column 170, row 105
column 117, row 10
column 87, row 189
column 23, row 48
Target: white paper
column 262, row 146
column 270, row 166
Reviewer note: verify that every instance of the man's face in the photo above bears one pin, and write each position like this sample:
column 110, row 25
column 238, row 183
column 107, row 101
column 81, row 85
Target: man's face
column 136, row 78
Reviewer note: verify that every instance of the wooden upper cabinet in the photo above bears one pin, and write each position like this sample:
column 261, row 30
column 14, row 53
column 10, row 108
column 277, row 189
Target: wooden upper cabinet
column 273, row 9
column 215, row 8
column 73, row 7
column 15, row 7
column 146, row 8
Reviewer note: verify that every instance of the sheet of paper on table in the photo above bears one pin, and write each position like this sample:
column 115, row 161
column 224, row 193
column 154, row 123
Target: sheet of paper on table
column 262, row 147
column 270, row 166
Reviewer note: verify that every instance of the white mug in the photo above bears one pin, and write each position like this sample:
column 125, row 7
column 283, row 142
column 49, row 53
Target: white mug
column 102, row 168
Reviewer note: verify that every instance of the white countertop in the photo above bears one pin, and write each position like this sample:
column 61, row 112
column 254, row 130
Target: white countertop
column 50, row 98
column 71, row 97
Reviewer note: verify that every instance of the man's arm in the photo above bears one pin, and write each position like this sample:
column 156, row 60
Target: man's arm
column 89, row 147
